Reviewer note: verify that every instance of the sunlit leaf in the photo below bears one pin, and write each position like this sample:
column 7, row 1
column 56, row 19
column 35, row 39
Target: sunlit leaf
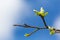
column 26, row 35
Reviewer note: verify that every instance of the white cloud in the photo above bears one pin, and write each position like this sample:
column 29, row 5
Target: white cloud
column 8, row 16
column 56, row 24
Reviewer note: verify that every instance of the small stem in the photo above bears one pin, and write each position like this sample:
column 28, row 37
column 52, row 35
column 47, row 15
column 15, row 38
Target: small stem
column 44, row 22
column 34, row 31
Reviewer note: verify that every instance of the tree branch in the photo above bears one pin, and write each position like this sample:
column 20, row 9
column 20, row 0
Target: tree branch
column 27, row 26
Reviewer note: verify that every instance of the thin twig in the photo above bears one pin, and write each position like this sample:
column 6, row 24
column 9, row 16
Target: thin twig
column 44, row 22
column 27, row 26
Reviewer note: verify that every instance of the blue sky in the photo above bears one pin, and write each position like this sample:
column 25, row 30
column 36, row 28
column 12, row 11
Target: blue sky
column 21, row 11
column 53, row 8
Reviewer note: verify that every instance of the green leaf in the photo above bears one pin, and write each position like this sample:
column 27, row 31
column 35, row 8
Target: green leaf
column 26, row 35
column 52, row 32
column 46, row 13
